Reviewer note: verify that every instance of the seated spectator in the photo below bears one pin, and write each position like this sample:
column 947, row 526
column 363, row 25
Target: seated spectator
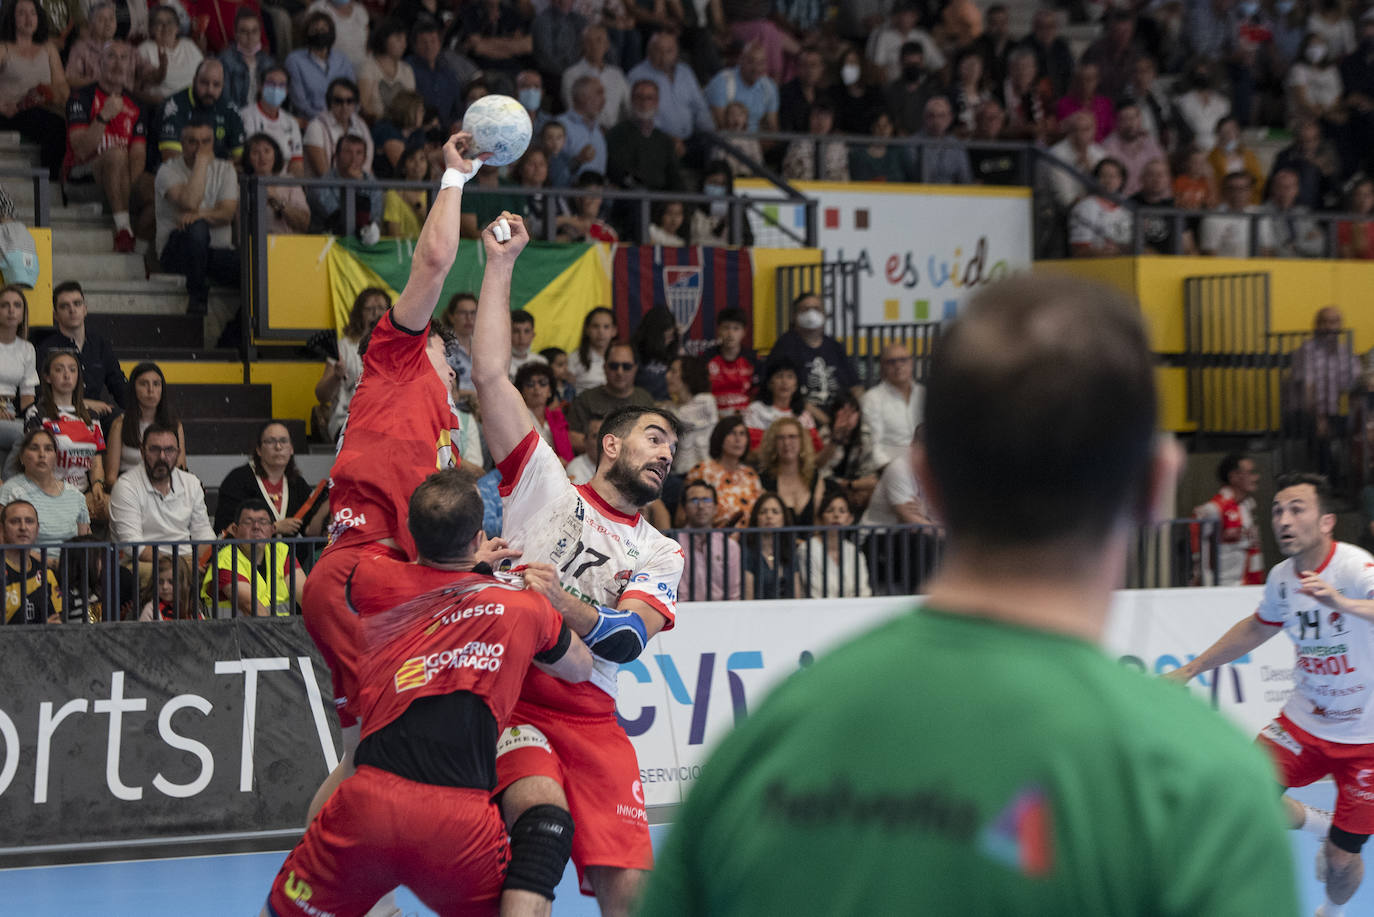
column 60, row 507
column 202, row 101
column 822, row 358
column 583, row 466
column 383, row 73
column 749, row 84
column 287, row 210
column 885, row 44
column 1083, row 96
column 495, row 35
column 802, row 159
column 340, row 379
column 83, row 60
column 787, row 466
column 1156, row 108
column 521, row 339
column 968, row 92
column 77, row 437
column 834, row 568
column 902, row 558
column 404, row 210
column 399, row 132
column 732, row 367
column 1160, row 235
column 172, row 601
column 434, row 79
column 33, row 84
column 1239, row 560
column 682, row 108
column 893, row 408
column 754, row 22
column 907, row 95
column 529, row 92
column 556, row 37
column 531, row 173
column 315, row 66
column 584, row 223
column 105, row 383
column 798, row 95
column 1314, row 82
column 690, row 399
column 266, row 116
column 1232, row 155
column 993, row 166
column 271, row 475
column 338, row 120
column 1195, row 188
column 327, row 202
column 563, row 389
column 535, row 382
column 1078, row 150
column 878, row 161
column 586, row 141
column 1099, row 226
column 736, row 483
column 594, row 61
column 587, row 362
column 619, row 391
column 259, row 579
column 856, row 100
column 18, row 369
column 245, row 61
column 657, row 342
column 1115, row 53
column 167, row 61
column 1316, row 163
column 769, row 559
column 551, row 140
column 1294, row 234
column 195, row 231
column 849, row 462
column 1131, row 145
column 1356, row 237
column 151, row 406
column 1053, row 56
column 711, row 223
column 1201, row 108
column 665, row 224
column 351, row 23
column 461, row 316
column 710, row 559
column 941, row 160
column 31, row 593
column 1230, row 236
column 640, row 155
column 779, row 397
column 1026, row 96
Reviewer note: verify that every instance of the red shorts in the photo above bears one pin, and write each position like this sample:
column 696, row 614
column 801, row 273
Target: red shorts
column 1302, row 758
column 446, row 844
column 332, row 625
column 594, row 762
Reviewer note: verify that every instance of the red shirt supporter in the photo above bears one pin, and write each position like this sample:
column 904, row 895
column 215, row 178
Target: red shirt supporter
column 732, row 383
column 123, row 130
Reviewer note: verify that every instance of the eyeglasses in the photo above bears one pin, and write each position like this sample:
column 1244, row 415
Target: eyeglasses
column 620, row 367
column 277, row 441
column 343, row 100
column 700, row 501
column 162, row 450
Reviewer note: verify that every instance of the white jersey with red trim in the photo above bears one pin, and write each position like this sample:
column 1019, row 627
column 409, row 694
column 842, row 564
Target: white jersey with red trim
column 1334, row 669
column 602, row 555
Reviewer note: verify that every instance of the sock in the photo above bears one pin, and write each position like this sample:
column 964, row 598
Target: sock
column 121, row 220
column 386, row 906
column 1316, row 821
column 1332, row 909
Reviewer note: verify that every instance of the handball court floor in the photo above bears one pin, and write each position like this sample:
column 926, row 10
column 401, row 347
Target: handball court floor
column 237, row 884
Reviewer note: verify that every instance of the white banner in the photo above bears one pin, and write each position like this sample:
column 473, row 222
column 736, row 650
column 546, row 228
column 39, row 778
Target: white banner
column 696, row 681
column 921, row 249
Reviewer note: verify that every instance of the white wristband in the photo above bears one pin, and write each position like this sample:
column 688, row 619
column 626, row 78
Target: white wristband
column 453, row 178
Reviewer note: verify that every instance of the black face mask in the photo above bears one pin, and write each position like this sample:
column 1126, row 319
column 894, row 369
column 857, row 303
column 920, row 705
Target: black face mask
column 912, row 73
column 1201, row 81
column 319, row 40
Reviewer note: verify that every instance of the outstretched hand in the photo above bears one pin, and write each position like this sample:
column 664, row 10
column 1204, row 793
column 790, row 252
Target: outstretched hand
column 456, row 154
column 506, row 237
column 494, row 551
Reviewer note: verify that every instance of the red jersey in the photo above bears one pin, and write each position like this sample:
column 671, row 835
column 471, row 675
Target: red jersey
column 452, row 632
column 402, row 427
column 124, row 130
column 732, row 383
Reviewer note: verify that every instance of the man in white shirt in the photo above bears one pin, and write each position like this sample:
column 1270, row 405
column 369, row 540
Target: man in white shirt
column 892, row 408
column 885, row 44
column 1078, row 150
column 1229, row 236
column 197, row 198
column 1295, row 234
column 595, row 45
column 265, row 116
column 902, row 556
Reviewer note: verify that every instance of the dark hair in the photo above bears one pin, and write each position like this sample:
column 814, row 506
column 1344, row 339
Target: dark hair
column 588, row 178
column 1229, row 464
column 445, row 513
column 732, row 314
column 719, row 167
column 534, row 368
column 199, row 119
column 798, row 403
column 67, row 286
column 5, row 510
column 278, row 160
column 162, row 415
column 33, row 434
column 1063, row 368
column 520, row 316
column 1126, row 103
column 548, row 353
column 247, row 12
column 622, row 420
column 382, row 31
column 584, row 348
column 255, row 462
column 647, row 339
column 1106, row 161
column 320, row 17
column 453, row 302
column 350, row 138
column 1326, row 501
column 723, row 428
column 354, row 329
column 7, row 24
column 340, row 82
column 47, row 406
column 17, row 290
column 830, row 496
column 157, row 429
column 783, row 545
column 694, row 373
column 423, row 26
column 698, row 482
column 254, row 504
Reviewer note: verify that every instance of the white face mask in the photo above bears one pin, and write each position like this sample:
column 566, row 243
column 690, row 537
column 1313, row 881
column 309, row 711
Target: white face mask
column 1316, row 53
column 810, row 319
column 849, row 73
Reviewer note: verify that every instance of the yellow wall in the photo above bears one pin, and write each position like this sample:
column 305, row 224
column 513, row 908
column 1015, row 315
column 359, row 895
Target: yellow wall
column 766, row 263
column 298, row 282
column 40, row 297
column 293, row 384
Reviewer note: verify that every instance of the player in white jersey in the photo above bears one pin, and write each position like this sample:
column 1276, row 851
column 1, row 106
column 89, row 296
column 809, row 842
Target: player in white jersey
column 1323, row 597
column 616, row 586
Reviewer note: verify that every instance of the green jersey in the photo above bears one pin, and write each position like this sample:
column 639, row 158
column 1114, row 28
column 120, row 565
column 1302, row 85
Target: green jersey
column 945, row 764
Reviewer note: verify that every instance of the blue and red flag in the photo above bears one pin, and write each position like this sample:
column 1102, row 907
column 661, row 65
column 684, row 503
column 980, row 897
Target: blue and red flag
column 695, row 283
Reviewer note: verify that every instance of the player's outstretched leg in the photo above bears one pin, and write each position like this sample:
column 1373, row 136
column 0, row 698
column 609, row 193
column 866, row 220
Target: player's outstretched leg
column 541, row 832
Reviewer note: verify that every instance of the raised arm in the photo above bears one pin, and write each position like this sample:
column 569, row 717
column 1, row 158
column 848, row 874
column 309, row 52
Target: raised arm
column 438, row 243
column 505, row 420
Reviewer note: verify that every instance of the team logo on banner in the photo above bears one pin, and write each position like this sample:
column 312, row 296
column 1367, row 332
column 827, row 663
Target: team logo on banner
column 682, row 289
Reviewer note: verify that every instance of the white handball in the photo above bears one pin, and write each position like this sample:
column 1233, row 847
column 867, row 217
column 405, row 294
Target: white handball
column 500, row 126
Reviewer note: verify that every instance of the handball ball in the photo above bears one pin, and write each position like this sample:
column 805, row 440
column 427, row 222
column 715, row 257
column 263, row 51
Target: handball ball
column 500, row 126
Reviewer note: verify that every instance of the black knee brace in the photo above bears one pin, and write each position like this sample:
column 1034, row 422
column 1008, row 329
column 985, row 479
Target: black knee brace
column 540, row 844
column 1344, row 840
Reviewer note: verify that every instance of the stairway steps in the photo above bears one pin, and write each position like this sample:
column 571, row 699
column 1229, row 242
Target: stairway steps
column 89, row 267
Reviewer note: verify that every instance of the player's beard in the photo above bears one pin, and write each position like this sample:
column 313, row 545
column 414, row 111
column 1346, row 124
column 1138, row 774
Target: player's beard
column 630, row 482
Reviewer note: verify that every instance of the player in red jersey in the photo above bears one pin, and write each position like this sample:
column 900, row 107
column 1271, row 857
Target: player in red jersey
column 447, row 650
column 616, row 587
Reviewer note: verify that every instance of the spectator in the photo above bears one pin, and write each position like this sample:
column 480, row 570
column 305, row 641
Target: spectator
column 780, row 397
column 1196, row 187
column 834, row 567
column 267, row 117
column 434, row 79
column 1027, row 98
column 1201, row 108
column 563, row 390
column 798, row 95
column 586, row 141
column 993, row 166
column 826, row 370
column 906, row 96
column 641, row 155
column 197, row 200
column 736, row 126
column 167, row 61
column 690, row 399
column 878, row 161
column 893, row 407
column 60, row 507
column 246, row 61
column 551, row 141
column 940, row 160
column 856, row 100
column 1329, row 20
column 1232, row 510
column 33, row 84
column 1077, row 150
column 758, row 21
column 150, row 407
column 339, row 119
column 711, row 561
column 801, row 160
column 287, row 210
column 316, row 66
column 711, row 223
column 1229, row 236
column 556, row 36
column 749, row 84
column 1160, row 235
column 1324, row 370
column 1232, row 155
column 1314, row 82
column 77, row 438
column 994, row 46
column 666, row 220
column 657, row 342
column 271, row 475
column 496, row 35
column 885, row 44
column 736, row 484
column 1131, row 145
column 1053, row 58
column 259, row 579
column 1356, row 237
column 682, row 108
column 535, row 382
column 1294, row 234
column 1083, row 96
column 105, row 383
column 521, row 337
column 131, row 18
column 587, row 362
column 172, row 602
column 402, row 130
column 350, row 28
column 594, row 62
column 531, row 172
column 106, row 138
column 1156, row 108
column 902, row 558
column 340, row 378
column 326, row 202
column 18, row 368
column 404, row 211
column 583, row 466
column 583, row 223
column 620, row 390
column 769, row 559
column 203, row 99
column 383, row 73
column 83, row 61
column 1315, row 162
column 1115, row 53
column 968, row 91
column 731, row 366
column 1098, row 225
column 848, row 461
column 31, row 593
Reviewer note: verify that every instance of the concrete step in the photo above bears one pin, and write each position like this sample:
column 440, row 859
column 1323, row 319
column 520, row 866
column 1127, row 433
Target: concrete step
column 157, row 295
column 90, row 267
column 25, row 157
column 91, row 213
column 83, row 238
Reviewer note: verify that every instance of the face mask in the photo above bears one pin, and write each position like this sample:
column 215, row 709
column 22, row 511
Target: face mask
column 1201, row 81
column 531, row 96
column 810, row 319
column 1284, row 7
column 1315, row 54
column 1248, row 9
column 912, row 73
column 1231, row 146
column 274, row 95
column 713, row 190
column 319, row 40
column 849, row 73
column 646, row 114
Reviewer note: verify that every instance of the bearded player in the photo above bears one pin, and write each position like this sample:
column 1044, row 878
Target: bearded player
column 1323, row 597
column 618, row 583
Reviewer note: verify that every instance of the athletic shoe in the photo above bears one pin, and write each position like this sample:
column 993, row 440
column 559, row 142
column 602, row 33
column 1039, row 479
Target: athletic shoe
column 124, row 241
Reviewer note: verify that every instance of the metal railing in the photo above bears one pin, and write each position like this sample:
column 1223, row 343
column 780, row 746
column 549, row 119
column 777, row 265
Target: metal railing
column 42, row 190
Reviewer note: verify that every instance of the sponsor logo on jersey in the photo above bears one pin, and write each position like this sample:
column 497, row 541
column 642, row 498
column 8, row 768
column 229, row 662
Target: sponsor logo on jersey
column 524, row 736
column 420, row 670
column 640, row 578
column 1364, row 775
column 1021, row 836
column 637, row 789
column 1280, row 737
column 300, row 892
column 344, row 519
